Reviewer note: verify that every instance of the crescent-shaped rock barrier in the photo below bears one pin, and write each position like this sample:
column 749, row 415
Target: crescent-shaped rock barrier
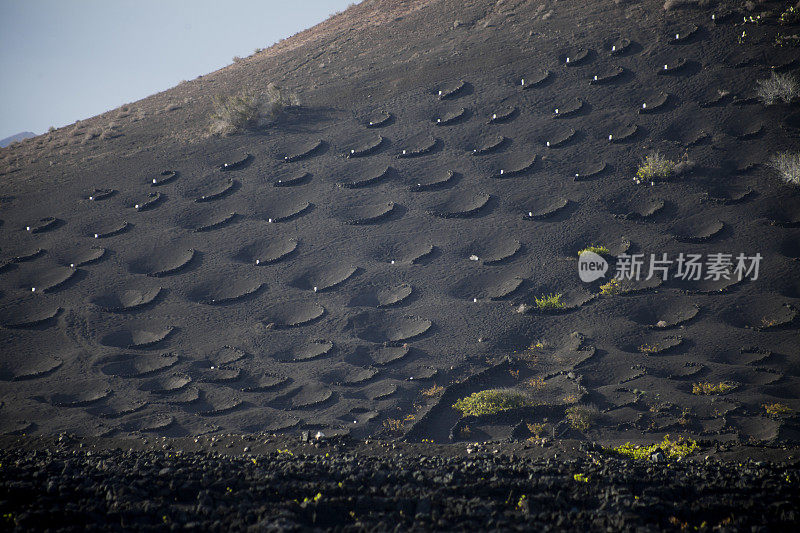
column 305, row 153
column 383, row 119
column 236, row 164
column 514, row 172
column 577, row 58
column 366, row 150
column 491, row 146
column 221, row 191
column 451, row 118
column 435, row 183
column 656, row 104
column 101, row 194
column 42, row 225
column 424, row 149
column 293, row 181
column 150, row 202
column 536, row 80
column 165, row 177
column 366, row 182
column 452, row 92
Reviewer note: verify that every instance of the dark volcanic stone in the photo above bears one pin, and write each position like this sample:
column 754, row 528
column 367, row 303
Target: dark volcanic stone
column 76, row 490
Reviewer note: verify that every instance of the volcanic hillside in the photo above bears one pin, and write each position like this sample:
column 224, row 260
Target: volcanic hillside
column 376, row 254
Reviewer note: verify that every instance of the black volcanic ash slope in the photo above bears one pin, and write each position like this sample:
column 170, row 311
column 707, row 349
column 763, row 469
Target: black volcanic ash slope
column 379, row 240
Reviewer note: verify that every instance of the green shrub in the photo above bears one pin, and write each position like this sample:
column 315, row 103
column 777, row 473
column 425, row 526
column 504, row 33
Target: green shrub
column 492, row 401
column 654, row 167
column 249, row 110
column 550, row 301
column 598, row 249
column 612, row 287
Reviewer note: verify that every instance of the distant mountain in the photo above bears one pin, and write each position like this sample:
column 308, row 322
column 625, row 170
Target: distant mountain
column 16, row 137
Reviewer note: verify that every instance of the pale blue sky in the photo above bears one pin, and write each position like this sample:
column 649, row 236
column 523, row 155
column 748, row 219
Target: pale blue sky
column 66, row 60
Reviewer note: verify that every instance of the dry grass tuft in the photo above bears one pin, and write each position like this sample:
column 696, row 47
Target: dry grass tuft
column 249, row 110
column 778, row 87
column 433, row 391
column 788, row 166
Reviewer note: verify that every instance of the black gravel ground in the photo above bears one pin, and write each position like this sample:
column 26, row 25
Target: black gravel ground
column 354, row 486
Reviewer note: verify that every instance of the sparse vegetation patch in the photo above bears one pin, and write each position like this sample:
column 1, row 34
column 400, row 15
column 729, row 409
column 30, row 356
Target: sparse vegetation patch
column 777, row 409
column 790, row 16
column 672, row 449
column 708, row 388
column 433, row 391
column 580, row 417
